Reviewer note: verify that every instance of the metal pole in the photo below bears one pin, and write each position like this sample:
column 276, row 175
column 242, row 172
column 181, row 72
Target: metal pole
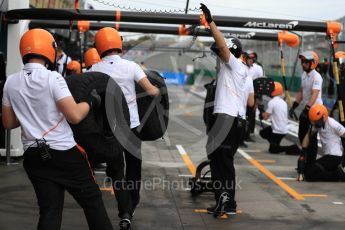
column 282, row 69
column 165, row 18
column 126, row 27
column 187, row 5
column 337, row 80
column 80, row 51
column 296, row 61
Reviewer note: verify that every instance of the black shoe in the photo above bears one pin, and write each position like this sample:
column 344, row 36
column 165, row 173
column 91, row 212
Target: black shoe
column 293, row 150
column 249, row 139
column 100, row 167
column 228, row 210
column 244, row 145
column 221, row 205
column 272, row 150
column 125, row 224
column 341, row 172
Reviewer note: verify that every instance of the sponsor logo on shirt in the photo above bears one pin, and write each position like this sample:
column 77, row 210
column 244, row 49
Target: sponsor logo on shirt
column 287, row 26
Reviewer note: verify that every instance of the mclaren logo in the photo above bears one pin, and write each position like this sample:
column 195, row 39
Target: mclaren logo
column 287, row 26
column 242, row 36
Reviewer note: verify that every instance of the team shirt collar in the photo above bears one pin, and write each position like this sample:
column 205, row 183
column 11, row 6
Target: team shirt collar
column 34, row 66
column 111, row 58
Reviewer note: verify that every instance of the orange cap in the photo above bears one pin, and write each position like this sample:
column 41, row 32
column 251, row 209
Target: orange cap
column 318, row 111
column 334, row 27
column 91, row 57
column 106, row 39
column 290, row 39
column 83, row 26
column 74, row 66
column 278, row 89
column 38, row 42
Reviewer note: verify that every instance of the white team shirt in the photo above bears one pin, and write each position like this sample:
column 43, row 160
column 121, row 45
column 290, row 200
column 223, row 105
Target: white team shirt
column 310, row 81
column 258, row 71
column 230, row 88
column 32, row 93
column 124, row 73
column 250, row 71
column 278, row 110
column 255, row 71
column 330, row 138
column 249, row 88
column 61, row 62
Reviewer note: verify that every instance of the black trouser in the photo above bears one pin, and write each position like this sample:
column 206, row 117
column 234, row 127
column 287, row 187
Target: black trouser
column 67, row 170
column 250, row 114
column 303, row 128
column 125, row 171
column 323, row 169
column 222, row 144
column 274, row 139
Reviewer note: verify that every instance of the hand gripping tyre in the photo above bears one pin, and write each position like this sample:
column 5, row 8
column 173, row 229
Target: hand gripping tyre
column 153, row 111
column 94, row 133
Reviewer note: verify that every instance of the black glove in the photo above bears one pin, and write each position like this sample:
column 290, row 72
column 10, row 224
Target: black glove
column 292, row 110
column 305, row 112
column 94, row 100
column 207, row 13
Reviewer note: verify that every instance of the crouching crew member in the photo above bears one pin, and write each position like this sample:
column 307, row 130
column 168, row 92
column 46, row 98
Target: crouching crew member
column 91, row 57
column 277, row 111
column 328, row 167
column 39, row 101
column 125, row 73
column 225, row 135
column 73, row 68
